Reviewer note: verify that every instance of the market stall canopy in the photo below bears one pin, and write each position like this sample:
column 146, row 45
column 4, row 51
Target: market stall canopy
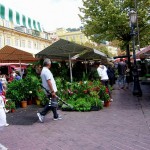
column 11, row 54
column 145, row 51
column 92, row 54
column 62, row 50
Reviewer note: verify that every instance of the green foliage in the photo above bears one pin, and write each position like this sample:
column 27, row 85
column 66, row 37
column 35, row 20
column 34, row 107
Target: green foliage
column 83, row 95
column 42, row 97
column 82, row 105
column 18, row 90
column 10, row 105
column 109, row 20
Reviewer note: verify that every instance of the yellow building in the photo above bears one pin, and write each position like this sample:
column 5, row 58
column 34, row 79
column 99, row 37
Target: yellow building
column 22, row 32
column 73, row 36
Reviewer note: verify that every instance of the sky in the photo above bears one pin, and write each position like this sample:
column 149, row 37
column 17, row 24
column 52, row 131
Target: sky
column 51, row 14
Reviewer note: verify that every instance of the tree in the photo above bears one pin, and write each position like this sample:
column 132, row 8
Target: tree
column 109, row 20
column 101, row 47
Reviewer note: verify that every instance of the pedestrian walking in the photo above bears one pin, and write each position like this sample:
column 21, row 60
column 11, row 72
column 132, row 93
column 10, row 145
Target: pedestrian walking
column 49, row 84
column 121, row 72
column 102, row 72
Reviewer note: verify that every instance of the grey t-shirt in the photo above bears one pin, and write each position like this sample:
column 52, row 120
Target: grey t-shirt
column 47, row 75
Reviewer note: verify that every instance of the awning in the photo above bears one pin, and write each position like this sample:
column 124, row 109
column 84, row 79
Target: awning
column 92, row 54
column 11, row 54
column 62, row 50
column 19, row 19
column 145, row 51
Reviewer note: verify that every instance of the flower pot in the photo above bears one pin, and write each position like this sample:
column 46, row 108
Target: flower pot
column 34, row 100
column 107, row 104
column 12, row 110
column 23, row 104
column 29, row 102
column 38, row 102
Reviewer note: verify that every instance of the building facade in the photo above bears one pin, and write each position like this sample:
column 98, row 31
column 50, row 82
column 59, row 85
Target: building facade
column 73, row 36
column 22, row 32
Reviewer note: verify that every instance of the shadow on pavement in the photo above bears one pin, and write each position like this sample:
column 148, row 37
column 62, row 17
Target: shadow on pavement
column 23, row 116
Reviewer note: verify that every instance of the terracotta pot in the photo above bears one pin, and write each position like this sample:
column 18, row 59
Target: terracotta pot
column 23, row 104
column 107, row 104
column 12, row 110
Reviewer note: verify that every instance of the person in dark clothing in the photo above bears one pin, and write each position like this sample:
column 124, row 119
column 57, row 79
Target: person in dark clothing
column 111, row 75
column 121, row 72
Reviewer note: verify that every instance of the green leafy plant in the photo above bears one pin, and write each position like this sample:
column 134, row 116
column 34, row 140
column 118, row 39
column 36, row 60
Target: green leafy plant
column 82, row 105
column 42, row 97
column 10, row 105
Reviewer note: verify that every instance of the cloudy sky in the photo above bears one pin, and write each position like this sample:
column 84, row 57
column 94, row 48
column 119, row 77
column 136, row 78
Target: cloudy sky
column 51, row 14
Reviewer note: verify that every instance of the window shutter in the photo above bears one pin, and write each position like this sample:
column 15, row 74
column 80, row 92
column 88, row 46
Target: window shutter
column 34, row 25
column 39, row 27
column 24, row 20
column 2, row 11
column 17, row 18
column 10, row 15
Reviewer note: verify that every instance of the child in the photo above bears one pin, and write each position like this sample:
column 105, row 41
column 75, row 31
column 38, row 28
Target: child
column 3, row 121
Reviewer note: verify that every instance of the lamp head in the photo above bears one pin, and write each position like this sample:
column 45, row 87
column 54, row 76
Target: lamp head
column 133, row 17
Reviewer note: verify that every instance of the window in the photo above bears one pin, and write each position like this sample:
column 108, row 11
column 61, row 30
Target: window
column 0, row 42
column 66, row 37
column 23, row 43
column 35, row 45
column 8, row 41
column 39, row 46
column 29, row 44
column 6, row 24
column 74, row 38
column 17, row 42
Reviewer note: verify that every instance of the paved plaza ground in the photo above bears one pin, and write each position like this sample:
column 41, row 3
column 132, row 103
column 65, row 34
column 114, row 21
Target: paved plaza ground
column 125, row 125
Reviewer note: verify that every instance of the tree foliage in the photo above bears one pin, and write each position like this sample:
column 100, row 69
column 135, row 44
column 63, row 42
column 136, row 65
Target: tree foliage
column 109, row 20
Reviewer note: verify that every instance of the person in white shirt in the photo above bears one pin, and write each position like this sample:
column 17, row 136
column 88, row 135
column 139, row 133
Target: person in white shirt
column 49, row 84
column 102, row 72
column 3, row 121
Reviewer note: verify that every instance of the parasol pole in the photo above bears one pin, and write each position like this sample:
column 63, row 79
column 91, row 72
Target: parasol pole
column 20, row 67
column 85, row 66
column 70, row 66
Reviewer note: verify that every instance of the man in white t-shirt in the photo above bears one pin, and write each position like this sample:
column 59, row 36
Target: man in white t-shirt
column 49, row 84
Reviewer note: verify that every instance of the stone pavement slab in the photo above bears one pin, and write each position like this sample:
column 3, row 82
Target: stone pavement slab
column 122, row 126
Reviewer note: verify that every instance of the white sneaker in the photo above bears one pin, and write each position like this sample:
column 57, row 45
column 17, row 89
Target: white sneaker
column 41, row 118
column 111, row 100
column 59, row 118
column 6, row 125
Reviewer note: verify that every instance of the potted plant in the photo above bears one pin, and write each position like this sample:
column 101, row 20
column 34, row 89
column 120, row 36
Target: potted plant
column 10, row 105
column 96, row 103
column 42, row 99
column 106, row 99
column 13, row 107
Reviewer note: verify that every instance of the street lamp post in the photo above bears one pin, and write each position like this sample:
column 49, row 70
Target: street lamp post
column 136, row 88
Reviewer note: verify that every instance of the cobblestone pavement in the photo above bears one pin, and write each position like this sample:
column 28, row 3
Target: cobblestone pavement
column 125, row 125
